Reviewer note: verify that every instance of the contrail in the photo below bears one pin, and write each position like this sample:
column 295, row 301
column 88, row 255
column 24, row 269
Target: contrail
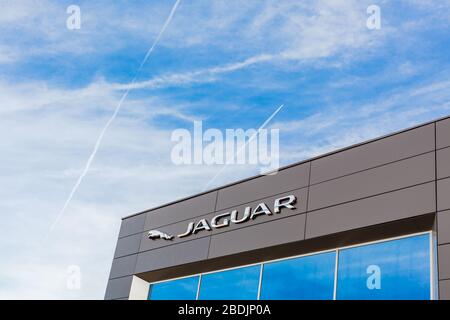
column 169, row 18
column 245, row 145
column 110, row 121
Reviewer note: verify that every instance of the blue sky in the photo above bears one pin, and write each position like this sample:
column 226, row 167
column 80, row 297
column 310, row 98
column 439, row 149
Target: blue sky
column 228, row 63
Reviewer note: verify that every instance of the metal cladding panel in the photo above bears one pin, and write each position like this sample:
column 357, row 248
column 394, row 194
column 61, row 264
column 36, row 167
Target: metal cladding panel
column 127, row 245
column 443, row 227
column 443, row 163
column 123, row 266
column 444, row 261
column 186, row 252
column 383, row 208
column 367, row 183
column 393, row 148
column 132, row 225
column 277, row 232
column 443, row 134
column 443, row 194
column 181, row 227
column 292, row 178
column 444, row 290
column 118, row 288
column 182, row 210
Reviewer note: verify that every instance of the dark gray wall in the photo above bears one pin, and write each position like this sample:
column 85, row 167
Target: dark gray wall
column 390, row 181
column 443, row 204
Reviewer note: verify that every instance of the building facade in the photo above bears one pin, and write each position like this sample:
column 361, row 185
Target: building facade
column 371, row 221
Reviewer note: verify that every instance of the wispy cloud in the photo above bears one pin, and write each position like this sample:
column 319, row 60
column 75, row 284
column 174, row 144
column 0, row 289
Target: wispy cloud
column 335, row 127
column 294, row 35
column 203, row 75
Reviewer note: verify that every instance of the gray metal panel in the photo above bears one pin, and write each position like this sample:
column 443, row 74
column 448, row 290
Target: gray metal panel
column 178, row 228
column 118, row 288
column 259, row 236
column 393, row 148
column 183, row 210
column 379, row 180
column 443, row 227
column 190, row 251
column 444, row 290
column 127, row 245
column 123, row 266
column 383, row 208
column 288, row 179
column 131, row 225
column 443, row 194
column 443, row 133
column 444, row 261
column 443, row 163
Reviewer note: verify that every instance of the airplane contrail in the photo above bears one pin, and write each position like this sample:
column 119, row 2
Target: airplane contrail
column 245, row 145
column 111, row 119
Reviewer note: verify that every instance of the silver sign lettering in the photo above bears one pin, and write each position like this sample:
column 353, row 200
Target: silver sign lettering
column 225, row 219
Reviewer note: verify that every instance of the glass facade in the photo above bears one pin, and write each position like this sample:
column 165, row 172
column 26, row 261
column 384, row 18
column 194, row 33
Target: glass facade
column 180, row 289
column 309, row 277
column 390, row 269
column 397, row 269
column 235, row 284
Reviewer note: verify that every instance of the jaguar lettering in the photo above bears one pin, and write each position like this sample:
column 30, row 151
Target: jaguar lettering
column 233, row 217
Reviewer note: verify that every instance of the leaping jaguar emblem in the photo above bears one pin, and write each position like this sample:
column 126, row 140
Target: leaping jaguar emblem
column 156, row 234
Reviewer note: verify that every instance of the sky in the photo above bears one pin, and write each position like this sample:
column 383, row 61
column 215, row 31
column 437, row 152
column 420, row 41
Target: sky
column 227, row 63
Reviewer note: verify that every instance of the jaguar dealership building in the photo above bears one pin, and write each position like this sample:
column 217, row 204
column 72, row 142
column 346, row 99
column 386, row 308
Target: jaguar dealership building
column 371, row 221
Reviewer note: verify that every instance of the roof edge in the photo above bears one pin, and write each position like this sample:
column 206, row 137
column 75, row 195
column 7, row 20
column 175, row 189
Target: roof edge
column 289, row 166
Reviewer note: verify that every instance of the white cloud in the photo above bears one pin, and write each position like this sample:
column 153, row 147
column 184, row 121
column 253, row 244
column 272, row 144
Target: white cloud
column 335, row 127
column 48, row 134
column 293, row 29
column 6, row 55
column 288, row 32
column 198, row 76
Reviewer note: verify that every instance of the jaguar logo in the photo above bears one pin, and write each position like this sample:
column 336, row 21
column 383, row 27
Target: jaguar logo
column 156, row 234
column 232, row 217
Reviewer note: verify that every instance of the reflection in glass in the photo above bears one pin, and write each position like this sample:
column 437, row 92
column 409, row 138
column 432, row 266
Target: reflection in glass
column 181, row 289
column 397, row 269
column 393, row 269
column 236, row 284
column 309, row 277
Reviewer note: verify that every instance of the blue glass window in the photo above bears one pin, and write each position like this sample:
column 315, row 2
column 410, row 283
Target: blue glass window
column 309, row 277
column 180, row 289
column 389, row 270
column 397, row 269
column 236, row 284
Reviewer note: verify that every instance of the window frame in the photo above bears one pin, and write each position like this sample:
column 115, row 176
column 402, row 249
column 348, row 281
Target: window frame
column 433, row 264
